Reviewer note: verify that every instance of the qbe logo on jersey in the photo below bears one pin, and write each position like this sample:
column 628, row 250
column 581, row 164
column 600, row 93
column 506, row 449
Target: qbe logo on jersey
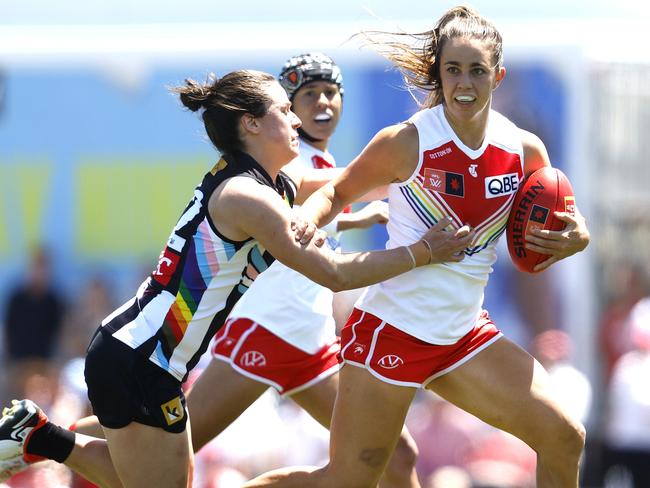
column 501, row 185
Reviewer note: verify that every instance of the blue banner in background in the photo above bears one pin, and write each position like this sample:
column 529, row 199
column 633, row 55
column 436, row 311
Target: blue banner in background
column 98, row 164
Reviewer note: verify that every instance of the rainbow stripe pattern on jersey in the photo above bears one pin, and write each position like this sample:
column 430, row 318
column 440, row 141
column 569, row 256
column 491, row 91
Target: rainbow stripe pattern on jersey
column 201, row 267
column 431, row 196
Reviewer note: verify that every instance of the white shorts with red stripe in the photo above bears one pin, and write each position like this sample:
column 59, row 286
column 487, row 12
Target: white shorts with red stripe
column 401, row 359
column 263, row 356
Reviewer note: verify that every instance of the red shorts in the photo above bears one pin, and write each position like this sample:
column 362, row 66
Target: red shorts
column 261, row 355
column 399, row 358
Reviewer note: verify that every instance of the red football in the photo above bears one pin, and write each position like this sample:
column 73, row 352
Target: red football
column 545, row 191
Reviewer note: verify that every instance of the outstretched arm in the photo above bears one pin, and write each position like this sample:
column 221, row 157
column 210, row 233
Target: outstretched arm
column 243, row 208
column 391, row 156
column 374, row 213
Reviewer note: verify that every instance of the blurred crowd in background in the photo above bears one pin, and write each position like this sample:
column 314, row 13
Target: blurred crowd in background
column 45, row 333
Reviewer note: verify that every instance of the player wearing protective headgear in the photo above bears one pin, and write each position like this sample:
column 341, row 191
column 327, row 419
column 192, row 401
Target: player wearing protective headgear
column 295, row 310
column 314, row 84
column 305, row 68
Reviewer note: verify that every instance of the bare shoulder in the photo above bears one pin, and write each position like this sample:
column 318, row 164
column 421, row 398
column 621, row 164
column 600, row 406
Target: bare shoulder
column 535, row 153
column 530, row 141
column 402, row 137
column 242, row 193
column 397, row 145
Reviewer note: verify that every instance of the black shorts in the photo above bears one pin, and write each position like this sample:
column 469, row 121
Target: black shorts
column 124, row 386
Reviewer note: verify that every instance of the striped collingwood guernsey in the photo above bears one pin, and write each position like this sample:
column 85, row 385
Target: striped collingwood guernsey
column 199, row 277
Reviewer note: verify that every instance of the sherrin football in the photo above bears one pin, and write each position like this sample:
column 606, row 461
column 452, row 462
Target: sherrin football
column 544, row 192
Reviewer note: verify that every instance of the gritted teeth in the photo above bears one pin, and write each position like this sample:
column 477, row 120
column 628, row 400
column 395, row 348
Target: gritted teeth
column 322, row 118
column 465, row 98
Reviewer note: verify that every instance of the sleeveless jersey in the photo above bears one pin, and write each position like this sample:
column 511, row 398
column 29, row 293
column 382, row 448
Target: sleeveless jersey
column 200, row 276
column 440, row 303
column 285, row 302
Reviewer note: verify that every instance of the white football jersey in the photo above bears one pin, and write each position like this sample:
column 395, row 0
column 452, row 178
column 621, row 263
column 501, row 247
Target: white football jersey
column 440, row 303
column 284, row 301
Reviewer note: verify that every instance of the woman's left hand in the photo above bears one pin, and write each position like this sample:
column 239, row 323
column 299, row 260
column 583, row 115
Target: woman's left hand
column 374, row 213
column 559, row 244
column 306, row 231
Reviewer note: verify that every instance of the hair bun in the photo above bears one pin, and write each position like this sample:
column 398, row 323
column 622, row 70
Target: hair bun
column 195, row 95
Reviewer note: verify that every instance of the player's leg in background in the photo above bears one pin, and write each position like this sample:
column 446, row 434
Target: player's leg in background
column 217, row 398
column 88, row 426
column 506, row 387
column 318, row 400
column 366, row 424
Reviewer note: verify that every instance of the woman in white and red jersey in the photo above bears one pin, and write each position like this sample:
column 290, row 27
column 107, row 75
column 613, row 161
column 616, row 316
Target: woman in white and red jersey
column 426, row 328
column 143, row 351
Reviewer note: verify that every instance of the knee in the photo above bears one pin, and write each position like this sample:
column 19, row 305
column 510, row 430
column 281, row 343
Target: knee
column 331, row 477
column 573, row 438
column 406, row 451
column 402, row 463
column 565, row 440
column 580, row 437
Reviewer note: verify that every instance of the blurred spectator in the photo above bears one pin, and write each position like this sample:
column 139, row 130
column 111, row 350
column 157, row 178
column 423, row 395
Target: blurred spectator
column 627, row 285
column 271, row 433
column 85, row 315
column 442, row 432
column 627, row 426
column 449, row 477
column 499, row 459
column 94, row 305
column 458, row 450
column 32, row 324
column 553, row 349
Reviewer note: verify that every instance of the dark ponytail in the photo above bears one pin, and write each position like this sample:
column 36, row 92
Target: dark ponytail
column 224, row 101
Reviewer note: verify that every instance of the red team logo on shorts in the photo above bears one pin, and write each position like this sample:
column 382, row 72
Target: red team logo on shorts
column 390, row 361
column 253, row 359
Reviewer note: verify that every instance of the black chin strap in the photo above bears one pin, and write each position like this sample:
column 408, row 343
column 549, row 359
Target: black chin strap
column 307, row 137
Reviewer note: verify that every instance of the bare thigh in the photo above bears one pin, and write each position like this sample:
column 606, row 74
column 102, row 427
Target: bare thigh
column 366, row 424
column 506, row 387
column 318, row 400
column 217, row 398
column 149, row 456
